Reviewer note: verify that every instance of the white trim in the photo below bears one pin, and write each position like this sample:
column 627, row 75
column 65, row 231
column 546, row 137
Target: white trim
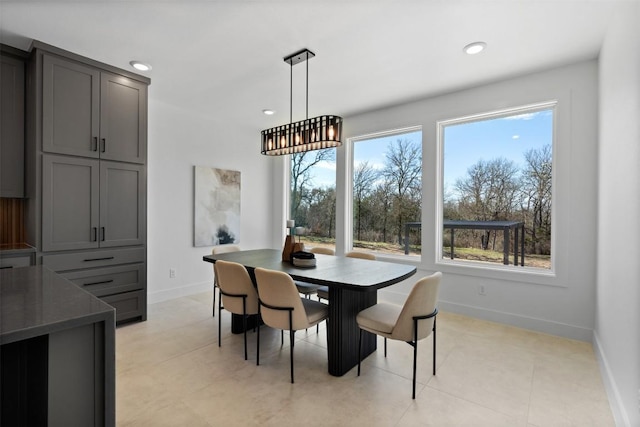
column 615, row 401
column 519, row 321
column 183, row 291
column 383, row 133
column 445, row 264
column 348, row 171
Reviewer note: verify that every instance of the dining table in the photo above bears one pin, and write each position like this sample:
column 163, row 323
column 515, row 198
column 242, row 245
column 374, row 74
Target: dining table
column 353, row 284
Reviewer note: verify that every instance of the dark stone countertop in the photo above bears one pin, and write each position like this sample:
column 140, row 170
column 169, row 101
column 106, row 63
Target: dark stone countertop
column 16, row 249
column 36, row 301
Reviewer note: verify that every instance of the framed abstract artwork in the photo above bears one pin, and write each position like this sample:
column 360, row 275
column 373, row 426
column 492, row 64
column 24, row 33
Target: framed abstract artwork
column 216, row 207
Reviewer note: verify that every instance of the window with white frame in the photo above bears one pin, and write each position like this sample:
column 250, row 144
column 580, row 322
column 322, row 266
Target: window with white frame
column 386, row 191
column 312, row 200
column 496, row 188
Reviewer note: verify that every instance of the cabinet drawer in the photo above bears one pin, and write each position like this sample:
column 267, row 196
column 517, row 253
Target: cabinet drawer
column 91, row 259
column 111, row 280
column 15, row 261
column 129, row 306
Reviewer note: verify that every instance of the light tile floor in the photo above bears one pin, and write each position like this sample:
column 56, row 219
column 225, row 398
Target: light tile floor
column 171, row 372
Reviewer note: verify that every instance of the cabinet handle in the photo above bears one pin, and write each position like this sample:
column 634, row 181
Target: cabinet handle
column 98, row 283
column 94, row 236
column 99, row 259
column 8, row 266
column 102, row 234
column 104, row 144
column 94, row 146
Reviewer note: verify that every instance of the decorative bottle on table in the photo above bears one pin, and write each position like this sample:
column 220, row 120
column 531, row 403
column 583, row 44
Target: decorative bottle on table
column 290, row 245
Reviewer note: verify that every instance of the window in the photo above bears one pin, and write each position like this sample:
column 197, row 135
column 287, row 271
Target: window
column 312, row 199
column 496, row 188
column 386, row 189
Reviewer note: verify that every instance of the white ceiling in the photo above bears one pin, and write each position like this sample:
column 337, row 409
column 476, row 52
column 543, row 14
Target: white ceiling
column 224, row 58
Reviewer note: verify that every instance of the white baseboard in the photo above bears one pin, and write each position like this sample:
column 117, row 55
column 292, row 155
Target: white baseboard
column 531, row 323
column 159, row 296
column 617, row 408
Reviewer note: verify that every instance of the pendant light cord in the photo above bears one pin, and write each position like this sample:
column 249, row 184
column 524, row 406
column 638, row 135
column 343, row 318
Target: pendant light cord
column 307, row 96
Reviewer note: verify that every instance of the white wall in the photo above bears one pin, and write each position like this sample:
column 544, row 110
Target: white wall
column 563, row 304
column 617, row 330
column 180, row 139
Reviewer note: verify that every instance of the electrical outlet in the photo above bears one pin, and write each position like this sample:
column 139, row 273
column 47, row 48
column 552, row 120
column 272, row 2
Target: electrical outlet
column 172, row 273
column 481, row 290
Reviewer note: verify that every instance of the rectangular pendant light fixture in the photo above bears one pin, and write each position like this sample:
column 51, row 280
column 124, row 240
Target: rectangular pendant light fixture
column 306, row 135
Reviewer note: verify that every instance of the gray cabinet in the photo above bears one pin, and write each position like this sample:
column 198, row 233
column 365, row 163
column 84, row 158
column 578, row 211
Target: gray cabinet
column 92, row 113
column 70, row 203
column 116, row 276
column 122, row 204
column 11, row 127
column 14, row 261
column 70, row 107
column 57, row 352
column 89, row 204
column 87, row 132
column 123, row 119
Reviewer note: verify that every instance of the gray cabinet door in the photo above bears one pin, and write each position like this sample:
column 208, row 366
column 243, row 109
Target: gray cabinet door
column 122, row 204
column 70, row 203
column 11, row 127
column 70, row 110
column 123, row 119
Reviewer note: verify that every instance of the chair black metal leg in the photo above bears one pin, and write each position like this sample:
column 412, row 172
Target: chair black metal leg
column 359, row 350
column 219, row 320
column 415, row 355
column 244, row 324
column 434, row 346
column 292, row 338
column 214, row 300
column 281, row 337
column 258, row 340
column 385, row 346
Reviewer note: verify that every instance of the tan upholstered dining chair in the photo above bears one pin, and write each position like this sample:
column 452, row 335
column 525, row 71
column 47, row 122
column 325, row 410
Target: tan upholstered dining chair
column 308, row 289
column 237, row 293
column 221, row 249
column 413, row 321
column 322, row 251
column 323, row 291
column 281, row 307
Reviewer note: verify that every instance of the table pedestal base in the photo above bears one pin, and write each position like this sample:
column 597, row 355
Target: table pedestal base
column 343, row 331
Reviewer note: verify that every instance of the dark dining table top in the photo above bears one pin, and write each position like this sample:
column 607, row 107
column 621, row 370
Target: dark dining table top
column 336, row 271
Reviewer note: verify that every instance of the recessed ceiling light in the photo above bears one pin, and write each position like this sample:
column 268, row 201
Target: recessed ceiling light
column 140, row 66
column 475, row 47
column 268, row 112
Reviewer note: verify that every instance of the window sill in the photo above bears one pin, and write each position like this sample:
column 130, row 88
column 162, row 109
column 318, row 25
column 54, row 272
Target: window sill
column 502, row 272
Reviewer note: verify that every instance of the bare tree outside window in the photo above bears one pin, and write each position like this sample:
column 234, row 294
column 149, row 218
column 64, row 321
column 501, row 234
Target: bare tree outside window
column 313, row 196
column 499, row 168
column 387, row 191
